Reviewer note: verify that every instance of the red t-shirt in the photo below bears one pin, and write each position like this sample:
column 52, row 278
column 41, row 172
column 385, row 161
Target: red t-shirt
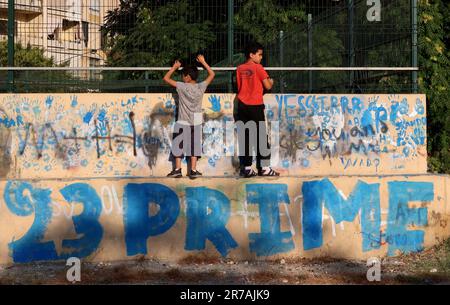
column 249, row 78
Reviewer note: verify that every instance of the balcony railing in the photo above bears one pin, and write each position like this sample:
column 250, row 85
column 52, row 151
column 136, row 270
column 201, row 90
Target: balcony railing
column 24, row 6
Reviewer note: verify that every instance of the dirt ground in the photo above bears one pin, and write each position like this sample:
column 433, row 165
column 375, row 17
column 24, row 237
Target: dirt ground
column 429, row 267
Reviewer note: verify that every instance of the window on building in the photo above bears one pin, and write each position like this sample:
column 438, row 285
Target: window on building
column 85, row 36
column 95, row 74
column 103, row 38
column 4, row 27
column 94, row 6
column 72, row 30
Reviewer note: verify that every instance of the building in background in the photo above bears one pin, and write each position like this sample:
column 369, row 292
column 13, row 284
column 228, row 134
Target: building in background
column 69, row 31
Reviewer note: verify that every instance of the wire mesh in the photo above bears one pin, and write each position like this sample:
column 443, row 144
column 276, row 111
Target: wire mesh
column 131, row 33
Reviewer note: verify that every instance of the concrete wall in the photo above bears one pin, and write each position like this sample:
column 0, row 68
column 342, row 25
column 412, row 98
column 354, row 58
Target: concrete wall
column 115, row 219
column 101, row 135
column 82, row 175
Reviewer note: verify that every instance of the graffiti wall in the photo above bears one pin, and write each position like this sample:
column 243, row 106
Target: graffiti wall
column 82, row 175
column 112, row 219
column 125, row 135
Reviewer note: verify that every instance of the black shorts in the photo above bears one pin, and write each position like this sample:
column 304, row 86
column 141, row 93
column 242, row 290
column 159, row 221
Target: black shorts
column 187, row 141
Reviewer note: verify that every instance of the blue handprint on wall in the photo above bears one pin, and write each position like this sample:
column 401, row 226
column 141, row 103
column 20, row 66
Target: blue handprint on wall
column 215, row 103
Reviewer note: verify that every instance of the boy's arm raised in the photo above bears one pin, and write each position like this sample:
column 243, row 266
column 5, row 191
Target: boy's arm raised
column 167, row 78
column 211, row 74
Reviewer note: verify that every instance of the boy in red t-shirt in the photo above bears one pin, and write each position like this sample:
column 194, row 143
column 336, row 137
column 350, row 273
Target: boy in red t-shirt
column 251, row 80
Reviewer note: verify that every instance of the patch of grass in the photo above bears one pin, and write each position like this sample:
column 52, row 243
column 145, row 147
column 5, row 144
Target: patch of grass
column 437, row 258
column 445, row 257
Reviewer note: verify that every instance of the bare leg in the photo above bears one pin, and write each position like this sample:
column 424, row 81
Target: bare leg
column 177, row 163
column 193, row 163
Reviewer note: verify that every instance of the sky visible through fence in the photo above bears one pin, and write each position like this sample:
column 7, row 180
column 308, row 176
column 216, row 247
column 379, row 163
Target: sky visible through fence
column 82, row 36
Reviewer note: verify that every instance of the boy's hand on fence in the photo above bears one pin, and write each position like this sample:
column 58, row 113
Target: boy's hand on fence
column 201, row 59
column 176, row 64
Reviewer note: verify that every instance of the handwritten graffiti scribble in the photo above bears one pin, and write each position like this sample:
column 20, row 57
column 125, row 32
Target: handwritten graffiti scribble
column 54, row 133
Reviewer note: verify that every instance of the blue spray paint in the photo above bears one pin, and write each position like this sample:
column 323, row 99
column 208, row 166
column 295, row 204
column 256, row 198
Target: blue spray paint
column 271, row 240
column 87, row 117
column 367, row 122
column 420, row 109
column 138, row 224
column 335, row 107
column 19, row 120
column 215, row 103
column 364, row 197
column 30, row 248
column 87, row 223
column 401, row 216
column 397, row 108
column 289, row 108
column 312, row 215
column 301, row 107
column 74, row 102
column 279, row 99
column 49, row 101
column 102, row 115
column 202, row 225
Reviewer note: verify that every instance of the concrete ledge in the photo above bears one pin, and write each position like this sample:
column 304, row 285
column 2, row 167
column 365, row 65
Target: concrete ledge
column 121, row 218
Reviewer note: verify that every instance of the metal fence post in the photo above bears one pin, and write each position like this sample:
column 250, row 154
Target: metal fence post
column 281, row 61
column 230, row 41
column 11, row 30
column 351, row 47
column 414, row 55
column 310, row 55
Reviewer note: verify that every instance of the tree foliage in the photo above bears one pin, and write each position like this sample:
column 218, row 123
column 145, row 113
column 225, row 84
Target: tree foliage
column 264, row 19
column 434, row 76
column 142, row 35
column 33, row 81
column 24, row 57
column 155, row 32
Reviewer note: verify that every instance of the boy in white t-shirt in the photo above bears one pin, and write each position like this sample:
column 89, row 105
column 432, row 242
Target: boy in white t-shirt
column 187, row 136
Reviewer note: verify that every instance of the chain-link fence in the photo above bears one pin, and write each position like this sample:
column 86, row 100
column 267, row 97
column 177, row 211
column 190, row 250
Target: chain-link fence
column 324, row 46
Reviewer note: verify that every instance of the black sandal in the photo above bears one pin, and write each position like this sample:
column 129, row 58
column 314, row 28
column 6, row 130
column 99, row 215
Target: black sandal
column 248, row 173
column 271, row 173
